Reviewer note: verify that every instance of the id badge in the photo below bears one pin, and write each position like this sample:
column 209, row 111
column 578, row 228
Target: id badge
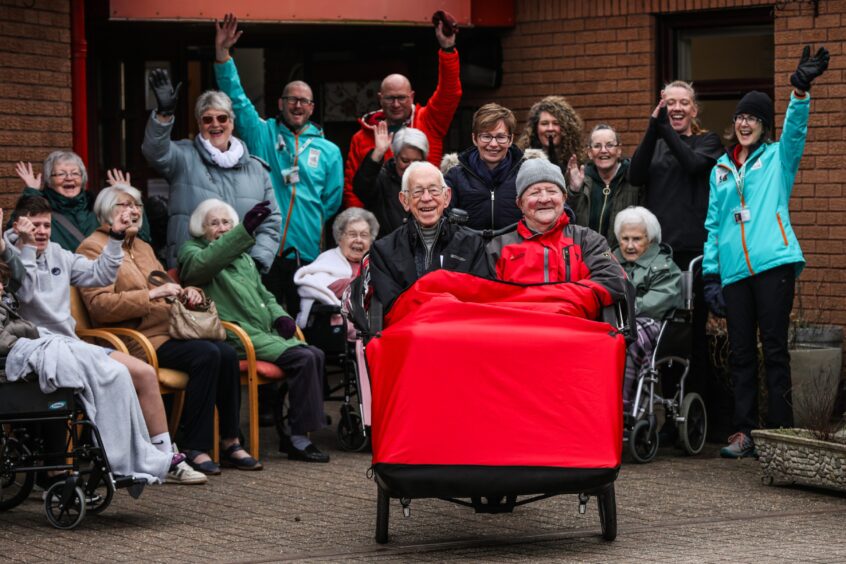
column 291, row 175
column 742, row 215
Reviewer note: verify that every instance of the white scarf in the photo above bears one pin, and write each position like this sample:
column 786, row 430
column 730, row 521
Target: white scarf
column 226, row 159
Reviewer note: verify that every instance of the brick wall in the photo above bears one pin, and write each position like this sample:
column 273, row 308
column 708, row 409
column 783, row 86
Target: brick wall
column 601, row 57
column 35, row 90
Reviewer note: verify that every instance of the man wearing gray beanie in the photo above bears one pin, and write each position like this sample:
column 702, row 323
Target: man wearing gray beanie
column 545, row 247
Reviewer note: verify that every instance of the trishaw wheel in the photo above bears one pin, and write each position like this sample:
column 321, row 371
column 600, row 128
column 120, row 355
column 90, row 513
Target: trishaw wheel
column 351, row 435
column 64, row 516
column 607, row 503
column 383, row 508
column 643, row 444
column 695, row 427
column 14, row 486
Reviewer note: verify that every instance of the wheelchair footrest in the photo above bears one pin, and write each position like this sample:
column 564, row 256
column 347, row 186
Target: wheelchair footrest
column 135, row 486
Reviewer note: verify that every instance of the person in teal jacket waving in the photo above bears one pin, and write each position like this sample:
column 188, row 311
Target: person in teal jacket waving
column 752, row 256
column 306, row 169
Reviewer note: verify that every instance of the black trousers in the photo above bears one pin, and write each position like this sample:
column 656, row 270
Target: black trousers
column 280, row 282
column 213, row 379
column 304, row 366
column 760, row 303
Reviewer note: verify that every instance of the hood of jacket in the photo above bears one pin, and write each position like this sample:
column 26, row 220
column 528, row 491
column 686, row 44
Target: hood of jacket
column 374, row 117
column 593, row 173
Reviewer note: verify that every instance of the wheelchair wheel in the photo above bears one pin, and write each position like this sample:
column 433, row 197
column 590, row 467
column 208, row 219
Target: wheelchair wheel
column 383, row 508
column 64, row 515
column 14, row 486
column 643, row 445
column 351, row 435
column 695, row 427
column 607, row 504
column 98, row 495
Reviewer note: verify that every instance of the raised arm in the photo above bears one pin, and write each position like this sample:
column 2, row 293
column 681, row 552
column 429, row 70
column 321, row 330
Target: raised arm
column 157, row 147
column 440, row 108
column 642, row 157
column 198, row 265
column 695, row 161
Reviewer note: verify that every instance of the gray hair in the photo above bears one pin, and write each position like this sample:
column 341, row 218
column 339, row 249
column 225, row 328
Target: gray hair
column 418, row 165
column 351, row 215
column 57, row 157
column 638, row 215
column 213, row 100
column 107, row 199
column 197, row 222
column 603, row 127
column 410, row 137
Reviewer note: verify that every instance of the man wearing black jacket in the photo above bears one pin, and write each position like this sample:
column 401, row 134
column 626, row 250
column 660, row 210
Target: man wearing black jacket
column 427, row 241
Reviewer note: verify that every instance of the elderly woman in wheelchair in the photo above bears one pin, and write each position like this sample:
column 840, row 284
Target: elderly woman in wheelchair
column 663, row 337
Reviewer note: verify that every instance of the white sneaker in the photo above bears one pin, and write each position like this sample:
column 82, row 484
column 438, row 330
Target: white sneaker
column 185, row 475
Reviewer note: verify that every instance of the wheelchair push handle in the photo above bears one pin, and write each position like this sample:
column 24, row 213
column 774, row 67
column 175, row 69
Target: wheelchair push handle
column 687, row 278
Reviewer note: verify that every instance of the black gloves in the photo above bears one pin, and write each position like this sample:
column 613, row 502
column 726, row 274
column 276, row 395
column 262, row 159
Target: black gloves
column 713, row 291
column 254, row 217
column 809, row 68
column 166, row 95
column 285, row 326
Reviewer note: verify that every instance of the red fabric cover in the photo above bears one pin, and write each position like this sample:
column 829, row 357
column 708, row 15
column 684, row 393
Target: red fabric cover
column 264, row 369
column 433, row 119
column 480, row 372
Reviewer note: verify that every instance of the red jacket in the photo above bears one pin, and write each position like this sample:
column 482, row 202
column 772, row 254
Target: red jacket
column 433, row 119
column 565, row 253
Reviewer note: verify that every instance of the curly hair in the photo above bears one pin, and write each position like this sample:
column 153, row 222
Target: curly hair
column 571, row 129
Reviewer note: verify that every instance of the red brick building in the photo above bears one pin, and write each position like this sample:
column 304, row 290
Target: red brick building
column 607, row 57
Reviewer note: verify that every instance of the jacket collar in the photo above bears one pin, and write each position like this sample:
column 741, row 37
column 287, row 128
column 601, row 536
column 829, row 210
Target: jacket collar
column 552, row 232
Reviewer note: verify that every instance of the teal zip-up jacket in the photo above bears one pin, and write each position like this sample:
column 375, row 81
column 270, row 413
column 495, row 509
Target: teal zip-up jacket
column 738, row 250
column 307, row 204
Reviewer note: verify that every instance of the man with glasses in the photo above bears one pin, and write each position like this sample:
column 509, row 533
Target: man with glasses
column 426, row 242
column 398, row 110
column 305, row 168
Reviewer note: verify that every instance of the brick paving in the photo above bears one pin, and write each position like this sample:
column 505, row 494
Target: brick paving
column 678, row 509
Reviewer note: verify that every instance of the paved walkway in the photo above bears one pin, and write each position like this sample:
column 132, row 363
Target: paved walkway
column 677, row 509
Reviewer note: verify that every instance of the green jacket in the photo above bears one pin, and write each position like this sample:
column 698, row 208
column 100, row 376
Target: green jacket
column 588, row 202
column 657, row 281
column 228, row 275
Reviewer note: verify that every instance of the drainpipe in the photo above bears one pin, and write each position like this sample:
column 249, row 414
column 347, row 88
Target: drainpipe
column 79, row 92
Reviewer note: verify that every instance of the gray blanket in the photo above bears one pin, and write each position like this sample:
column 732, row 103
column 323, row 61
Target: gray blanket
column 105, row 389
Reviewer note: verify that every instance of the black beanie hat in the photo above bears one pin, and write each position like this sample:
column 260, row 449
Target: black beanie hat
column 757, row 104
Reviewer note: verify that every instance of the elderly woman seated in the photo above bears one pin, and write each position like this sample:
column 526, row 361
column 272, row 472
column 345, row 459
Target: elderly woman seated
column 547, row 247
column 218, row 260
column 657, row 281
column 325, row 279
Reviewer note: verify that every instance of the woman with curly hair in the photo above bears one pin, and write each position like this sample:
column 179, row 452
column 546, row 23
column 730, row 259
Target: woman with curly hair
column 556, row 128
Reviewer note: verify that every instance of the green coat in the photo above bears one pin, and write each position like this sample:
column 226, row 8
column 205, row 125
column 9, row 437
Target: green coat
column 657, row 281
column 228, row 275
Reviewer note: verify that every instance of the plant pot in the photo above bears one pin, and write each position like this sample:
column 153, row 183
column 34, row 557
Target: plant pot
column 792, row 456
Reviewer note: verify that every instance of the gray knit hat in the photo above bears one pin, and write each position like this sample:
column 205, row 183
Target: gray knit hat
column 533, row 171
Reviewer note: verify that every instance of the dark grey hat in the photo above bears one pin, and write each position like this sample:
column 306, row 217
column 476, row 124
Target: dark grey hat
column 533, row 171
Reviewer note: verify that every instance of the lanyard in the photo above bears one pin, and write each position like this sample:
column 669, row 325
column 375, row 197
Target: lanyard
column 280, row 144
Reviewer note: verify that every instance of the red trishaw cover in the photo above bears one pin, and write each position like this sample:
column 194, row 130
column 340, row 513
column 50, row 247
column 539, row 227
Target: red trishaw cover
column 470, row 371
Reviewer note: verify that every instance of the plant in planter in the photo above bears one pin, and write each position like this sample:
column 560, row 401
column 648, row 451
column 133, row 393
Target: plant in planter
column 814, row 456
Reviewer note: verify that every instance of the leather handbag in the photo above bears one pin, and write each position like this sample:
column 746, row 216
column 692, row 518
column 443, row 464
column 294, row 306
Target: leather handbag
column 197, row 322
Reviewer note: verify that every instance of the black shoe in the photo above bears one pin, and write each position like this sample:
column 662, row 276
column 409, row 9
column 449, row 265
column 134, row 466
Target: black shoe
column 309, row 454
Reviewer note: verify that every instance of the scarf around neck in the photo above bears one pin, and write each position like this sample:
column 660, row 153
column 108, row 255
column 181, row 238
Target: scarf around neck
column 224, row 159
column 495, row 176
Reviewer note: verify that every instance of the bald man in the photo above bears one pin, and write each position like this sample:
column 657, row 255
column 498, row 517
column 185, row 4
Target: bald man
column 398, row 109
column 305, row 169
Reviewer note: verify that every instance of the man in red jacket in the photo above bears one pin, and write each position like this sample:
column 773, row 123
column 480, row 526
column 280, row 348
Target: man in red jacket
column 398, row 108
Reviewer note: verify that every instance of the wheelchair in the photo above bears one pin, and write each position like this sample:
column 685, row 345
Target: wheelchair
column 686, row 410
column 89, row 486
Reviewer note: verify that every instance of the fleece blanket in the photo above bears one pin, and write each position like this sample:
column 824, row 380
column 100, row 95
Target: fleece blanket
column 313, row 281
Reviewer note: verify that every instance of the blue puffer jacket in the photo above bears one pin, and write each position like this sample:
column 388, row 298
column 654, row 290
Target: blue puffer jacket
column 738, row 250
column 307, row 204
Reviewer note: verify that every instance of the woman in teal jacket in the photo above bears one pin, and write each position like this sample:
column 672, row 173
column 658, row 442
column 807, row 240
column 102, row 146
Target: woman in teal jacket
column 217, row 260
column 752, row 256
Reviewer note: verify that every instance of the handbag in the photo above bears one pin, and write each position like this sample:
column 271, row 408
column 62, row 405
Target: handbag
column 198, row 322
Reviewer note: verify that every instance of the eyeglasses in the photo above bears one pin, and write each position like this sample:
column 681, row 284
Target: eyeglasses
column 127, row 205
column 398, row 99
column 751, row 120
column 434, row 191
column 363, row 235
column 65, row 174
column 500, row 138
column 219, row 223
column 543, row 191
column 606, row 146
column 294, row 100
column 208, row 120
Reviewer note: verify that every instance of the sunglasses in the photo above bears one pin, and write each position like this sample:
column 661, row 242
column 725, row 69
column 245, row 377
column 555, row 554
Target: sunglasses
column 208, row 120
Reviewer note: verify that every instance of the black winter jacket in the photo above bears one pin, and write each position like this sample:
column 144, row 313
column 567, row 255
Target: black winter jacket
column 489, row 207
column 398, row 260
column 378, row 187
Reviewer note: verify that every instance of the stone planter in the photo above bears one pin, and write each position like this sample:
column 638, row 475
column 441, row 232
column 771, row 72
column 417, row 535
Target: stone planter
column 791, row 456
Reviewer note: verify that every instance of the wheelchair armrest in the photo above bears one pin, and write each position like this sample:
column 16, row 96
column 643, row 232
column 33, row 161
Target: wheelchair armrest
column 622, row 314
